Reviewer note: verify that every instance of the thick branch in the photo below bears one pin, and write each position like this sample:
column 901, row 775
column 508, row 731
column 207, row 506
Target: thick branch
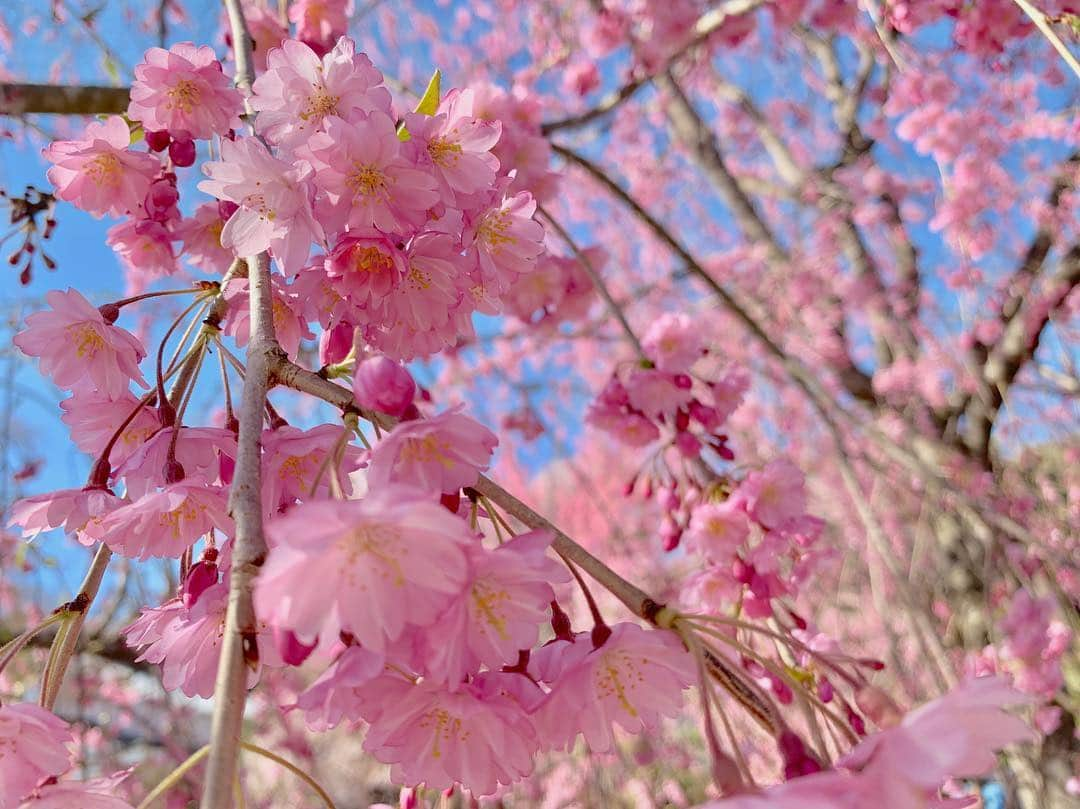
column 239, row 649
column 59, row 99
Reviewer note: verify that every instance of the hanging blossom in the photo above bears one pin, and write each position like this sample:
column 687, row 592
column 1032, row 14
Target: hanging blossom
column 443, row 453
column 33, row 746
column 632, row 679
column 391, row 560
column 183, row 89
column 100, row 173
column 274, row 199
column 79, row 347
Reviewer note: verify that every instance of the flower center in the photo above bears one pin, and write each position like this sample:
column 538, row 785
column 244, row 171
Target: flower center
column 319, row 104
column 493, row 230
column 609, row 676
column 185, row 95
column 367, row 181
column 488, row 605
column 418, row 279
column 426, row 450
column 257, row 202
column 371, row 260
column 104, row 170
column 444, row 726
column 444, row 152
column 86, row 339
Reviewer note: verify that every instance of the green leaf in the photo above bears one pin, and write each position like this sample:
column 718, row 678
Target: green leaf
column 429, row 103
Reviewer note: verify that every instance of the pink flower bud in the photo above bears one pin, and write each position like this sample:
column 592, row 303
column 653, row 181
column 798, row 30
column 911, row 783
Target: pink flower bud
column 158, row 141
column 335, row 343
column 382, row 384
column 292, row 651
column 201, row 576
column 182, row 152
column 161, row 199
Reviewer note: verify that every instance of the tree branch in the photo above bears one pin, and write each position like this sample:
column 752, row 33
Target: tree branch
column 59, row 99
column 239, row 649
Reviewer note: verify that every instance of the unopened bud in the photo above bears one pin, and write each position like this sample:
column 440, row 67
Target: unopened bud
column 381, row 384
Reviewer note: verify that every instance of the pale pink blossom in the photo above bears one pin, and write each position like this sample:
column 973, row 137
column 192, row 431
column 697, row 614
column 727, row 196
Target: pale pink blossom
column 456, row 146
column 774, row 494
column 274, row 196
column 183, row 89
column 718, row 530
column 201, row 235
column 431, row 289
column 145, row 249
column 70, row 509
column 365, row 270
column 79, row 348
column 633, row 680
column 361, row 167
column 506, row 240
column 290, row 325
column 93, row 418
column 299, row 90
column 33, row 746
column 476, row 736
column 674, row 342
column 98, row 793
column 267, row 32
column 293, row 459
column 338, row 693
column 956, row 735
column 164, row 523
column 388, row 561
column 440, row 454
column 320, row 22
column 99, row 173
column 654, row 392
column 506, row 599
column 199, row 450
column 187, row 642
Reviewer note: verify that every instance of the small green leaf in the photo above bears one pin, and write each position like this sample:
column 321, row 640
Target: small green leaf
column 429, row 103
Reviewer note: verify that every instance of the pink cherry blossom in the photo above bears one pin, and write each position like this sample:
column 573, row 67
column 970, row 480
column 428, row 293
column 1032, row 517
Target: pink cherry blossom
column 507, row 240
column 198, row 450
column 636, row 677
column 290, row 325
column 674, row 342
column 98, row 793
column 361, row 167
column 431, row 289
column 338, row 693
column 718, row 530
column 164, row 523
column 299, row 90
column 442, row 453
column 506, row 599
column 476, row 736
column 183, row 89
column 956, row 735
column 456, row 145
column 654, row 392
column 70, row 509
column 93, row 418
column 78, row 347
column 320, row 22
column 187, row 642
column 99, row 173
column 145, row 248
column 293, row 459
column 33, row 746
column 201, row 235
column 274, row 198
column 365, row 270
column 774, row 494
column 390, row 560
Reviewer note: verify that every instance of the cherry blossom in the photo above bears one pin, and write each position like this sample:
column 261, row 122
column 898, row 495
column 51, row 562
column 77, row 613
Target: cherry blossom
column 34, row 743
column 78, row 346
column 183, row 89
column 100, row 173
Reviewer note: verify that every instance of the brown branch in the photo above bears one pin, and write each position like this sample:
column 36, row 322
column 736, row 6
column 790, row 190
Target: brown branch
column 60, row 99
column 239, row 650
